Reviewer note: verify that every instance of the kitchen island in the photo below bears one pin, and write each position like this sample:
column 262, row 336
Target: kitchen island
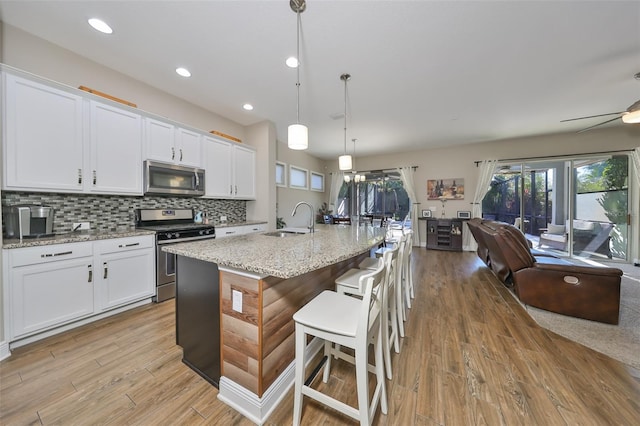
column 264, row 280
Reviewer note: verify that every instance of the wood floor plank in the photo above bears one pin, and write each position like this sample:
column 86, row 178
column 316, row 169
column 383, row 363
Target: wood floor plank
column 472, row 355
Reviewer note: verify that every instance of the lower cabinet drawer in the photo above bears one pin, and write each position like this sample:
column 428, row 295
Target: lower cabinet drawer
column 123, row 244
column 49, row 253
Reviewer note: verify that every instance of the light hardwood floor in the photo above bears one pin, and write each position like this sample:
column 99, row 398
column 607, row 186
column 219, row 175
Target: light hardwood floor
column 471, row 356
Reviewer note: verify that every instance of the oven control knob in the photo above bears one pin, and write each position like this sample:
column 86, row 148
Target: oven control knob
column 176, row 235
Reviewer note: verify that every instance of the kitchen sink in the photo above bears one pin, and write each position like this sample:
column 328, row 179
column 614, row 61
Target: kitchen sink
column 282, row 234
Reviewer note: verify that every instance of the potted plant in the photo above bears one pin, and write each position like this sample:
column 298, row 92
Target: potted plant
column 323, row 212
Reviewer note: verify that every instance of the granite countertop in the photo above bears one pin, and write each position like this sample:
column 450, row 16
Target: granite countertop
column 73, row 237
column 284, row 257
column 77, row 237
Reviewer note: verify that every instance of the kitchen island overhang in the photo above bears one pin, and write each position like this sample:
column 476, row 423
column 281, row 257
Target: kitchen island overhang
column 269, row 279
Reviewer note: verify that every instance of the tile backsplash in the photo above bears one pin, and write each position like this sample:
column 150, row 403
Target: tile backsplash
column 114, row 212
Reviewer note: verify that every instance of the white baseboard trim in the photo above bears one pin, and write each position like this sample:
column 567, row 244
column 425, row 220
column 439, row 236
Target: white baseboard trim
column 259, row 409
column 57, row 330
column 4, row 350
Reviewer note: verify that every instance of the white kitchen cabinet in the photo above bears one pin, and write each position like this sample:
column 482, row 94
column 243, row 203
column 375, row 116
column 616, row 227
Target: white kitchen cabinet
column 53, row 286
column 116, row 150
column 232, row 231
column 171, row 144
column 255, row 229
column 49, row 286
column 125, row 270
column 43, row 137
column 59, row 141
column 188, row 148
column 218, row 168
column 230, row 170
column 244, row 173
column 159, row 140
column 229, row 231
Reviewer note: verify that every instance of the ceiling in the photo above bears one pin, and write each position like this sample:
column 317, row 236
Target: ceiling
column 424, row 73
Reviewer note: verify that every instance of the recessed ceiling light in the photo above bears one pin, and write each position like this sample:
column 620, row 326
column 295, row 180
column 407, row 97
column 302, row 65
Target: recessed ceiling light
column 292, row 62
column 248, row 107
column 183, row 72
column 100, row 25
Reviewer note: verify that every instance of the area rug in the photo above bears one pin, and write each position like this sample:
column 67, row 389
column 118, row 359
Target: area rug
column 622, row 341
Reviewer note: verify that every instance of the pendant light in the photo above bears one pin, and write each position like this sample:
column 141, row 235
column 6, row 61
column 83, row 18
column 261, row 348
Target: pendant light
column 344, row 161
column 357, row 178
column 298, row 134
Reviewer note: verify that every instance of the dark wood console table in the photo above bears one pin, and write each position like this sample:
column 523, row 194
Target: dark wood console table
column 444, row 234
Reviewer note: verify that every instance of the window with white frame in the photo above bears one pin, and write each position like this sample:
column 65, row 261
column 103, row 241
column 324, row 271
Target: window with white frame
column 281, row 174
column 298, row 177
column 317, row 181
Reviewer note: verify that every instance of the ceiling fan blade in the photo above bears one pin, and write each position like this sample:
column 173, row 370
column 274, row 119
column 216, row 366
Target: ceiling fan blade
column 599, row 124
column 592, row 116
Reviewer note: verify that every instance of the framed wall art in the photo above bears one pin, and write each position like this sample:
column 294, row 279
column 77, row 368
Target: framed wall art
column 445, row 189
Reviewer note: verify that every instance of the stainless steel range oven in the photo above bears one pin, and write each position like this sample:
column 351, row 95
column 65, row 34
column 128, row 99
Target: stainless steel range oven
column 171, row 226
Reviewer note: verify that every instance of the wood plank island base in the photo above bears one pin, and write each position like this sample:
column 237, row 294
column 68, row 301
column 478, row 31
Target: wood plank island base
column 263, row 281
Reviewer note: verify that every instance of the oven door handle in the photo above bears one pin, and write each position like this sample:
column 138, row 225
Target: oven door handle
column 184, row 240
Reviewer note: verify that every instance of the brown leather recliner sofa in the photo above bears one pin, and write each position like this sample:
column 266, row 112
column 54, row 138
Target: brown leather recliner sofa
column 545, row 281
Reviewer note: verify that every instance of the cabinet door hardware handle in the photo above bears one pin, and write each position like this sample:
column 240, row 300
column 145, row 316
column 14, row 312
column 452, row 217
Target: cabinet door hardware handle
column 79, row 176
column 180, row 154
column 128, row 245
column 95, row 177
column 173, row 153
column 236, row 190
column 90, row 274
column 230, row 189
column 62, row 253
column 106, row 271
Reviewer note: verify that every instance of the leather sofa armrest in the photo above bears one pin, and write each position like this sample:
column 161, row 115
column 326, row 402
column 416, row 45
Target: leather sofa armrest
column 587, row 292
column 578, row 269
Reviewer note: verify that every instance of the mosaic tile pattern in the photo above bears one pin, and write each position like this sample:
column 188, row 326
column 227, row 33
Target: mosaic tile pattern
column 114, row 212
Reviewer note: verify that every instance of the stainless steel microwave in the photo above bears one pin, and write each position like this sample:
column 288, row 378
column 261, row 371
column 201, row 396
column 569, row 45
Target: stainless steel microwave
column 170, row 179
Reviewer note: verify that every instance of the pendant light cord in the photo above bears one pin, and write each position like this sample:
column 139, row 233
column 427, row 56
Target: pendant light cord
column 345, row 77
column 298, row 69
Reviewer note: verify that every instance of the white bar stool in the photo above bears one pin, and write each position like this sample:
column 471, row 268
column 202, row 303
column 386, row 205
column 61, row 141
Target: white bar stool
column 349, row 283
column 408, row 274
column 351, row 322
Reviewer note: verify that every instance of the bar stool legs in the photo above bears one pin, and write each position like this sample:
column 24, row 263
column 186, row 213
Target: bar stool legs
column 349, row 322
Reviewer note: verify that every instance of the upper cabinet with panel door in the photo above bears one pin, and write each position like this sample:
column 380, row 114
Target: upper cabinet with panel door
column 42, row 137
column 55, row 140
column 116, row 150
column 230, row 170
column 244, row 165
column 172, row 144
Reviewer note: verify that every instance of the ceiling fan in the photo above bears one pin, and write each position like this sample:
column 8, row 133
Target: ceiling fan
column 630, row 115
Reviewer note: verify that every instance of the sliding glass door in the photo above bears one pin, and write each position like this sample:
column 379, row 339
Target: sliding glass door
column 572, row 207
column 374, row 195
column 600, row 224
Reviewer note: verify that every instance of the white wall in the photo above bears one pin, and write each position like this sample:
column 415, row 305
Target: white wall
column 262, row 136
column 37, row 56
column 458, row 162
column 287, row 198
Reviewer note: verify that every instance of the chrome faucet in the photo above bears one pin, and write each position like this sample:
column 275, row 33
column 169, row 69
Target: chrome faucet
column 311, row 210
